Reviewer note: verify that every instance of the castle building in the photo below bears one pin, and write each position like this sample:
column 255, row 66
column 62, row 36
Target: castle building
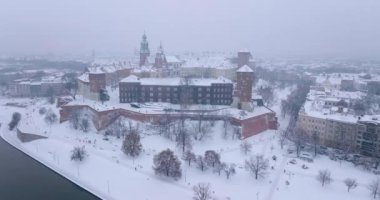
column 176, row 90
column 244, row 58
column 144, row 51
column 243, row 90
column 160, row 60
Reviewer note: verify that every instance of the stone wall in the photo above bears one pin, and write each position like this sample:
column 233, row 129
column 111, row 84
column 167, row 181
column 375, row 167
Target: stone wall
column 102, row 119
column 28, row 137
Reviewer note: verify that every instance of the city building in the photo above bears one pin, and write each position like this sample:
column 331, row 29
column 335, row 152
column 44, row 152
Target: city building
column 368, row 138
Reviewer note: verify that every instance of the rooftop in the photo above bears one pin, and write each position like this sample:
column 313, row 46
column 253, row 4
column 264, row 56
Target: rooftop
column 176, row 81
column 245, row 68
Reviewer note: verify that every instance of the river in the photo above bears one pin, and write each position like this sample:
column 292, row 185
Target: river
column 23, row 178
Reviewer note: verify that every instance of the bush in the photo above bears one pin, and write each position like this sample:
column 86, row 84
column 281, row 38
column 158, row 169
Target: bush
column 42, row 111
column 16, row 117
column 78, row 154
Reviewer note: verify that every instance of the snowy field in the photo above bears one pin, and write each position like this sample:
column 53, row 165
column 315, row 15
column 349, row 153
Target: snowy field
column 113, row 175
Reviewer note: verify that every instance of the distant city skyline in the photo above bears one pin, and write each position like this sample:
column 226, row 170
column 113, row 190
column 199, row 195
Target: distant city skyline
column 340, row 28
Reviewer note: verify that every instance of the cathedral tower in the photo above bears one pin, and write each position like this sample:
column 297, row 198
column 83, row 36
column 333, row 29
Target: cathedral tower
column 144, row 51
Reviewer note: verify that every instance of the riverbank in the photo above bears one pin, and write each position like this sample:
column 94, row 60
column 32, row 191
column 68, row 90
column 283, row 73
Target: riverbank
column 14, row 142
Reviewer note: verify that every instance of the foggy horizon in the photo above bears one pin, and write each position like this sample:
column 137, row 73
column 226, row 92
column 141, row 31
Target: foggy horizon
column 342, row 28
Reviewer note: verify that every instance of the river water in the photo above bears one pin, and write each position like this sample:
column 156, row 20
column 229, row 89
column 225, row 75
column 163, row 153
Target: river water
column 22, row 178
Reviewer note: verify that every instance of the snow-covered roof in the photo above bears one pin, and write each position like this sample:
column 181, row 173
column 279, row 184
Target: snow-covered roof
column 84, row 77
column 96, row 69
column 176, row 81
column 371, row 118
column 245, row 68
column 208, row 62
column 172, row 59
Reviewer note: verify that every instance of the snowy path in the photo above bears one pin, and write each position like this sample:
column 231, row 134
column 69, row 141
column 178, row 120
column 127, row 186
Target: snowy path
column 277, row 179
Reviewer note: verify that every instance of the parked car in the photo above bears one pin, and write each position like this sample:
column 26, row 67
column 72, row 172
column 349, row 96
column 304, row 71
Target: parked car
column 293, row 161
column 306, row 156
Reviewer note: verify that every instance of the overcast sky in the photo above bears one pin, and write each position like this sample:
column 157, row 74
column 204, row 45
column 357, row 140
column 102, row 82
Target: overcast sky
column 345, row 28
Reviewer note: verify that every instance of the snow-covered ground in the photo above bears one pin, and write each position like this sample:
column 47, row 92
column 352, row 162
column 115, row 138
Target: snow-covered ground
column 113, row 175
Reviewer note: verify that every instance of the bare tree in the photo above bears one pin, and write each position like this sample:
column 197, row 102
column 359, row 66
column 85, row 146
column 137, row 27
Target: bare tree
column 315, row 142
column 282, row 138
column 132, row 145
column 71, row 83
column 267, row 94
column 220, row 167
column 257, row 165
column 205, row 131
column 212, row 158
column 229, row 170
column 117, row 128
column 75, row 119
column 246, row 147
column 226, row 124
column 183, row 139
column 164, row 125
column 374, row 188
column 201, row 163
column 350, row 183
column 324, row 177
column 78, row 154
column 84, row 124
column 189, row 157
column 299, row 139
column 236, row 132
column 166, row 163
column 202, row 191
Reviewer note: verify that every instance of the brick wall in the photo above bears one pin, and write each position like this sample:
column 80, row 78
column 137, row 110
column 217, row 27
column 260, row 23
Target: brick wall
column 102, row 119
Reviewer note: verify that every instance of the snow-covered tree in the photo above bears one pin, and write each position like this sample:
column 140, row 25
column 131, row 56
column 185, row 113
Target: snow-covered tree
column 205, row 131
column 103, row 95
column 42, row 110
column 220, row 167
column 229, row 170
column 257, row 165
column 374, row 188
column 189, row 157
column 50, row 117
column 166, row 163
column 299, row 139
column 282, row 138
column 70, row 83
column 78, row 154
column 315, row 142
column 165, row 124
column 202, row 191
column 350, row 183
column 118, row 128
column 132, row 145
column 212, row 158
column 16, row 117
column 236, row 132
column 84, row 124
column 75, row 119
column 246, row 147
column 268, row 95
column 201, row 163
column 324, row 177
